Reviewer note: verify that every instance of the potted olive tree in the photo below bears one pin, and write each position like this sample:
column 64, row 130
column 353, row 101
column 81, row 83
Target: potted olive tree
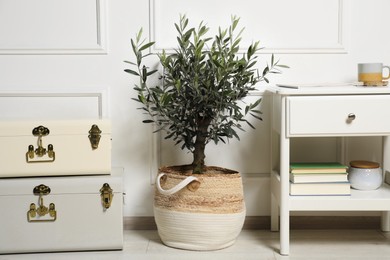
column 197, row 101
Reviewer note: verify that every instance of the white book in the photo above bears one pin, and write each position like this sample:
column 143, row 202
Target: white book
column 318, row 177
column 336, row 188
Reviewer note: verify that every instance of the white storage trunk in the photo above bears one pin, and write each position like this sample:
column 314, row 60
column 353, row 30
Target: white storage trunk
column 55, row 148
column 75, row 218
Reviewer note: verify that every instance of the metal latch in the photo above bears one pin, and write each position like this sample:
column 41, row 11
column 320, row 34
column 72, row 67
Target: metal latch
column 106, row 195
column 40, row 132
column 41, row 210
column 94, row 136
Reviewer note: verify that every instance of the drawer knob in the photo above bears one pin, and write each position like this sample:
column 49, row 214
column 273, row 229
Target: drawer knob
column 351, row 116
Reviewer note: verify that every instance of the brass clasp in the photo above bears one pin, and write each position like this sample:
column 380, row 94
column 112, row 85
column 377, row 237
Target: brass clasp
column 40, row 132
column 94, row 136
column 41, row 210
column 106, row 195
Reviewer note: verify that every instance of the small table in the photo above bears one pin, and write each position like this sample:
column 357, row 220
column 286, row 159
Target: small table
column 340, row 111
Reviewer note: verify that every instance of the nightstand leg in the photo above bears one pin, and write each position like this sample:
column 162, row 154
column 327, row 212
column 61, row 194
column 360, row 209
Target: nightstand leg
column 385, row 221
column 274, row 214
column 284, row 233
column 385, row 218
column 284, row 195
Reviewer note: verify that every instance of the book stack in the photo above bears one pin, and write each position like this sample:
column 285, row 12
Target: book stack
column 327, row 178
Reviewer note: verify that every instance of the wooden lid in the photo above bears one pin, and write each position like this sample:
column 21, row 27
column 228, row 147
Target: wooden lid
column 364, row 164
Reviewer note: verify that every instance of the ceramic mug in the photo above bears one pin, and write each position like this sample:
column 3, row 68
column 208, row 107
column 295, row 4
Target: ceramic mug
column 371, row 74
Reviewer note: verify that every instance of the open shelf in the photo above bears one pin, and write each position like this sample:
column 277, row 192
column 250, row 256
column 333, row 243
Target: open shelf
column 374, row 200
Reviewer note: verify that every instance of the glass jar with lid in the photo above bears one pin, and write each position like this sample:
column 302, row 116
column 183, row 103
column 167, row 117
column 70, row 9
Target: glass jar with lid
column 365, row 175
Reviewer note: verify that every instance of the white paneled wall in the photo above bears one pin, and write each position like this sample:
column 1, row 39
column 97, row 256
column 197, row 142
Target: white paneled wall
column 53, row 105
column 75, row 49
column 52, row 26
column 302, row 26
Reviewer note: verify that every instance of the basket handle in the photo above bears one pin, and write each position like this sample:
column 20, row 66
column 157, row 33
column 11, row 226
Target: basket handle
column 175, row 189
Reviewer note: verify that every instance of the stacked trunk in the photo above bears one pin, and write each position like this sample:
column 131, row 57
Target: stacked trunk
column 57, row 191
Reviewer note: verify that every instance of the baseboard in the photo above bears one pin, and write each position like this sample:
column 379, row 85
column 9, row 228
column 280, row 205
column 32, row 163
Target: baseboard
column 263, row 222
column 139, row 223
column 335, row 222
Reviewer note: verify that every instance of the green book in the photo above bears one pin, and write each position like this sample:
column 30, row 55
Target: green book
column 318, row 167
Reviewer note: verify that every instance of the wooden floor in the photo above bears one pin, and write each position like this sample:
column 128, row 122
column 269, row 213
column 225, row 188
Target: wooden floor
column 252, row 244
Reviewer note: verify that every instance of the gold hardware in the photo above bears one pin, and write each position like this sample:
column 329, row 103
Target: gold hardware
column 40, row 131
column 42, row 210
column 42, row 190
column 30, row 152
column 94, row 136
column 106, row 195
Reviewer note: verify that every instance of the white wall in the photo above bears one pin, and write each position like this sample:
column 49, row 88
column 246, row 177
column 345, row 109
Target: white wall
column 79, row 47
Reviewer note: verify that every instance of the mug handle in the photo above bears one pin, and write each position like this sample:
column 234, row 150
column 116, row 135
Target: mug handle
column 388, row 68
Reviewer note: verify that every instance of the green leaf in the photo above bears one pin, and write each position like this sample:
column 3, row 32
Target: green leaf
column 203, row 30
column 139, row 34
column 134, row 46
column 131, row 72
column 256, row 116
column 151, row 72
column 235, row 22
column 257, row 111
column 147, row 121
column 169, row 135
column 250, row 124
column 256, row 103
column 222, row 140
column 282, row 66
column 247, row 109
column 177, row 28
column 141, row 99
column 251, row 64
column 187, row 35
column 146, row 46
column 265, row 71
column 132, row 63
column 144, row 74
column 185, row 23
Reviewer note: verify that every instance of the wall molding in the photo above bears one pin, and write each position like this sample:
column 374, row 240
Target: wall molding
column 101, row 97
column 340, row 45
column 97, row 47
column 263, row 222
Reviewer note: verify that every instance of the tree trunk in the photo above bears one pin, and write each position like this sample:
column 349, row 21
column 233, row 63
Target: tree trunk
column 200, row 145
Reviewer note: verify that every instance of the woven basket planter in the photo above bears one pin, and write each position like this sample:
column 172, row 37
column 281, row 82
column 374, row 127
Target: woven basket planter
column 200, row 211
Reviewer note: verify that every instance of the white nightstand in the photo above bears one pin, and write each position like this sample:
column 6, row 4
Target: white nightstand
column 325, row 112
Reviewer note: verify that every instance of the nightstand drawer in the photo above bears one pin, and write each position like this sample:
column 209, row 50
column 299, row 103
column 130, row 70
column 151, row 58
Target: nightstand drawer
column 338, row 115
